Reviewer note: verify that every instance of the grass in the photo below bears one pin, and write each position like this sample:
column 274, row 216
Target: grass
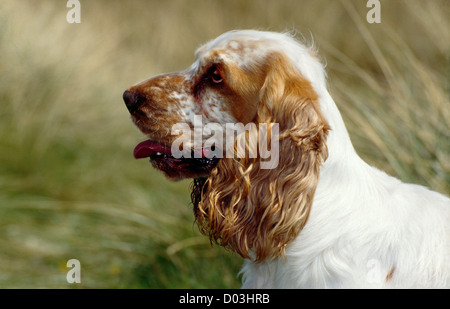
column 69, row 187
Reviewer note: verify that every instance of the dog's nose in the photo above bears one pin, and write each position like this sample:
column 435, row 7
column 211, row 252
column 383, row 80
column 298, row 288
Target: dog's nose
column 132, row 100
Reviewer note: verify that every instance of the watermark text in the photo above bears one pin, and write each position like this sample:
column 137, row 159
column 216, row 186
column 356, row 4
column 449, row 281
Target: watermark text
column 374, row 14
column 74, row 14
column 229, row 141
column 74, row 274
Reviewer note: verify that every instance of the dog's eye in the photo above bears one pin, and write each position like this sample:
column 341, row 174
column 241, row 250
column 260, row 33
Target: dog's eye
column 216, row 78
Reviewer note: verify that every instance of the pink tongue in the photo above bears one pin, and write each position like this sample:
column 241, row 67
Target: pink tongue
column 148, row 148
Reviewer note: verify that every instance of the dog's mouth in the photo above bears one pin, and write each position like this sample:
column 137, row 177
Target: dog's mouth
column 195, row 164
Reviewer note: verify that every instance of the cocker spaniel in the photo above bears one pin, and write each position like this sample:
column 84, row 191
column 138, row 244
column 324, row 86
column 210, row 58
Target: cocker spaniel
column 309, row 212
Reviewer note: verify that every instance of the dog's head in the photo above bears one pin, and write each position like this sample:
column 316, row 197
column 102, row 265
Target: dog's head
column 246, row 78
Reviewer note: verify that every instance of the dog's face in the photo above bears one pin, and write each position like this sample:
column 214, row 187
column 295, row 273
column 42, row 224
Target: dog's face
column 221, row 86
column 260, row 80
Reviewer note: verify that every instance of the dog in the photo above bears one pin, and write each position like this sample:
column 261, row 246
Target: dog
column 319, row 216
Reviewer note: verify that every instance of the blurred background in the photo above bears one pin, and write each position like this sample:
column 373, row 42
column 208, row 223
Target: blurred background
column 69, row 185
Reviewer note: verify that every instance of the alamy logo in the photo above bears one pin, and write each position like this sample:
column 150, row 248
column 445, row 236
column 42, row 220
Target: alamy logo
column 234, row 140
column 74, row 274
column 374, row 14
column 74, row 14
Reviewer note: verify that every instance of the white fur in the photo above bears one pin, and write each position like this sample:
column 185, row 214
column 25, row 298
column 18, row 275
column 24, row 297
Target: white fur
column 366, row 229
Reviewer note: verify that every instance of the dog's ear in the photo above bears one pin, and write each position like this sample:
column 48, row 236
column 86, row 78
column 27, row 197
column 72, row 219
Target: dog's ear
column 257, row 211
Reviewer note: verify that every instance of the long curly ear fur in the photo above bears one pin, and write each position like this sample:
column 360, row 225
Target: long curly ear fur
column 257, row 212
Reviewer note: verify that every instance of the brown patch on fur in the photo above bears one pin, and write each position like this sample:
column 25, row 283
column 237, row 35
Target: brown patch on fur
column 158, row 111
column 246, row 88
column 390, row 274
column 258, row 212
column 240, row 88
